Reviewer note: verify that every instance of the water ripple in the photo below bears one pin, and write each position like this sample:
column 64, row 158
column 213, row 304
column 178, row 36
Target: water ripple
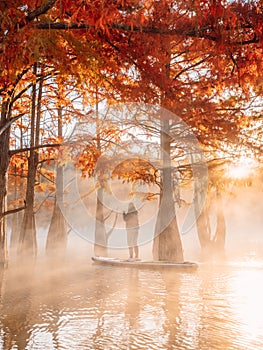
column 218, row 307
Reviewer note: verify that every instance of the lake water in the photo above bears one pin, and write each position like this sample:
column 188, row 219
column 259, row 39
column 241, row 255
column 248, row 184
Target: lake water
column 82, row 306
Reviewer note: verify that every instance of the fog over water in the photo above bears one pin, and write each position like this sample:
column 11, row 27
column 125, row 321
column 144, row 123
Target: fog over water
column 73, row 304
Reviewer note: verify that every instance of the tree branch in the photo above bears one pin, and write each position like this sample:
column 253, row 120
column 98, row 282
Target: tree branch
column 204, row 32
column 46, row 177
column 13, row 211
column 40, row 10
column 16, row 97
column 41, row 204
column 26, row 149
column 8, row 124
column 190, row 67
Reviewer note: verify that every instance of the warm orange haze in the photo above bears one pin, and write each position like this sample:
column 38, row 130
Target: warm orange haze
column 131, row 174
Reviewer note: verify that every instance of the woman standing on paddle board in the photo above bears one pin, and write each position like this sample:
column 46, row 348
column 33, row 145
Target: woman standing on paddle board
column 132, row 226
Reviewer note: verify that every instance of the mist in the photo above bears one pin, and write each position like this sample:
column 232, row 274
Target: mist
column 61, row 303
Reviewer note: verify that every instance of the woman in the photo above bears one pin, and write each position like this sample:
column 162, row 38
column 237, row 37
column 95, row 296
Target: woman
column 132, row 226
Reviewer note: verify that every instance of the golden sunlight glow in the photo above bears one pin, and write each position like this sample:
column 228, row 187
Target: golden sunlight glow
column 242, row 169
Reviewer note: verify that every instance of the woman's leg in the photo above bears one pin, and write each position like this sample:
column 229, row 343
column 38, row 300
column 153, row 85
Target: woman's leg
column 136, row 251
column 131, row 252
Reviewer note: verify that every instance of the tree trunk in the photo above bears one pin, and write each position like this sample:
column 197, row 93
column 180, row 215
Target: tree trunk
column 27, row 239
column 4, row 162
column 155, row 247
column 16, row 220
column 100, row 244
column 2, row 286
column 57, row 233
column 220, row 235
column 169, row 245
column 3, row 243
column 203, row 226
column 210, row 246
column 203, row 229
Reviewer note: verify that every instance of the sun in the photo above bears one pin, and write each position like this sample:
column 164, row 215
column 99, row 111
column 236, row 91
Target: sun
column 242, row 168
column 238, row 171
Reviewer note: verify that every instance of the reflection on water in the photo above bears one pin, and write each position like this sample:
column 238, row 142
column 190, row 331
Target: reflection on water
column 94, row 307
